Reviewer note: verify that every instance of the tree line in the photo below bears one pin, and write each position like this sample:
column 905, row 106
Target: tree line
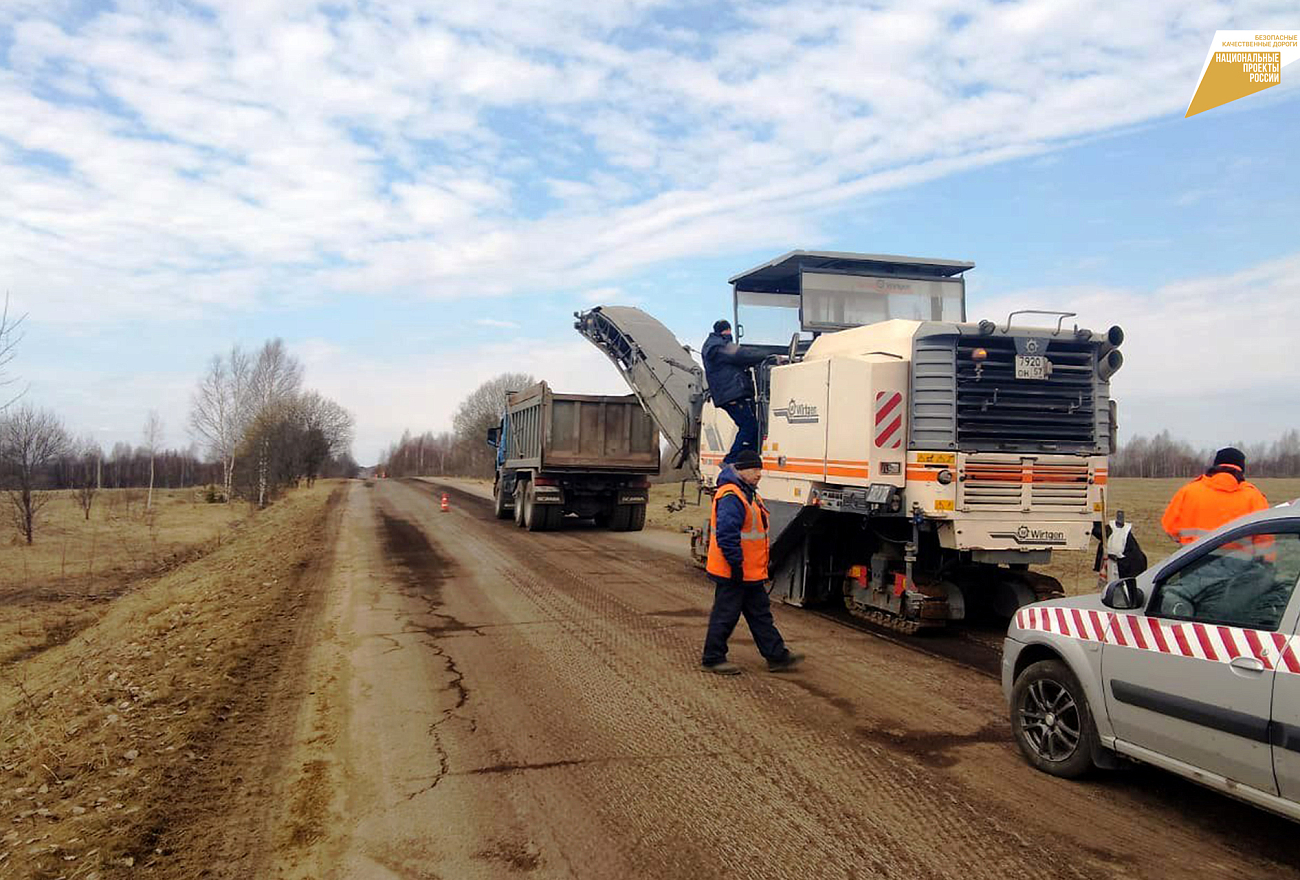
column 1163, row 455
column 462, row 451
column 261, row 430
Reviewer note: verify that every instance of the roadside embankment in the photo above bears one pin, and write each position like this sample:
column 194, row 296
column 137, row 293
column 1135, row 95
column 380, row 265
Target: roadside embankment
column 137, row 743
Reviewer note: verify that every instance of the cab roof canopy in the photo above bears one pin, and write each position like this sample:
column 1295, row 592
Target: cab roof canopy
column 781, row 275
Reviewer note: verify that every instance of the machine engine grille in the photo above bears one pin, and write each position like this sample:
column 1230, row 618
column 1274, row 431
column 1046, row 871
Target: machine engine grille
column 998, row 484
column 995, row 410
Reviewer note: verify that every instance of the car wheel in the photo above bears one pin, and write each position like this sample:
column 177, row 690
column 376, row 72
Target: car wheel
column 1051, row 721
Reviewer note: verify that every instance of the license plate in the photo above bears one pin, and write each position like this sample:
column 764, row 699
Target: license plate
column 1031, row 366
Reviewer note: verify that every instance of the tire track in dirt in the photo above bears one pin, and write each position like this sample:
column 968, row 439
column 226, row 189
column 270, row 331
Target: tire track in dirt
column 538, row 585
column 573, row 576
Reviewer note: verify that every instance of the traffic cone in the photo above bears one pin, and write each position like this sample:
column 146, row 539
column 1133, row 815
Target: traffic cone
column 446, row 505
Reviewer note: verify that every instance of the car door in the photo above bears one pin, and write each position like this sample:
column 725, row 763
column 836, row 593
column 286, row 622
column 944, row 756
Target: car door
column 1192, row 678
column 1285, row 727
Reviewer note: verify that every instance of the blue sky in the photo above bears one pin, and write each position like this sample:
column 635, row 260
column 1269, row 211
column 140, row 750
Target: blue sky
column 415, row 200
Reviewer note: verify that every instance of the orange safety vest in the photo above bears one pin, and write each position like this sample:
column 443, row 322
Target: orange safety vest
column 753, row 537
column 1208, row 502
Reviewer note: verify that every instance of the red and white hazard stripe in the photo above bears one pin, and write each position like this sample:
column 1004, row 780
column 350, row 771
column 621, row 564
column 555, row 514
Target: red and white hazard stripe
column 1197, row 641
column 889, row 420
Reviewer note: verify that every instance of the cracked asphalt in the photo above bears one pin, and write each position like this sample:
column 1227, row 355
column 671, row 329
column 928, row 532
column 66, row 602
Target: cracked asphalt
column 486, row 702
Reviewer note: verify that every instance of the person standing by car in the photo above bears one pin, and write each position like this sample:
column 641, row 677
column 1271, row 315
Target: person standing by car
column 1218, row 496
column 1118, row 553
column 726, row 369
column 737, row 563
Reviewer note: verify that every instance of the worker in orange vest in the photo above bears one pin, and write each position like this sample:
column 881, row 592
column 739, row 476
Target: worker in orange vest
column 737, row 563
column 1219, row 496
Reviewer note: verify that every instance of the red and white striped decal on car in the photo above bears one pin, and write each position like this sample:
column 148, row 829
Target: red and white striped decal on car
column 889, row 420
column 1199, row 641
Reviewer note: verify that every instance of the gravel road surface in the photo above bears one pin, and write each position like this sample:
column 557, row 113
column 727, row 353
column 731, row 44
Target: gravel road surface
column 486, row 702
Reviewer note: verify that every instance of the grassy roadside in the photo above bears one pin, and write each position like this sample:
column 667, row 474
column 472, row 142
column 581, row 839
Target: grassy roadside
column 60, row 584
column 105, row 738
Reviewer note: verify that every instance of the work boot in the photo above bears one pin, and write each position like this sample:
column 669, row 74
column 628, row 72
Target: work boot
column 723, row 668
column 790, row 661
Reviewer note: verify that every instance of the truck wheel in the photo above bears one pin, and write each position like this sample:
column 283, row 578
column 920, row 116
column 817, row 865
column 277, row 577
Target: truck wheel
column 1051, row 720
column 501, row 506
column 521, row 501
column 627, row 518
column 537, row 517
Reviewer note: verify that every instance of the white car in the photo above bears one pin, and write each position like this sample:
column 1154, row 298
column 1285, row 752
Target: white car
column 1193, row 666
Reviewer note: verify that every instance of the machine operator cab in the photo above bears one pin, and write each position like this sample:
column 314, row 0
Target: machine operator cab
column 783, row 305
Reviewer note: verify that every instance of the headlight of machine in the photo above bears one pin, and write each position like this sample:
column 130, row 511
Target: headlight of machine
column 945, row 476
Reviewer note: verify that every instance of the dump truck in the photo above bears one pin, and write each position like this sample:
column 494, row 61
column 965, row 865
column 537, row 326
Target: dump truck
column 917, row 465
column 581, row 454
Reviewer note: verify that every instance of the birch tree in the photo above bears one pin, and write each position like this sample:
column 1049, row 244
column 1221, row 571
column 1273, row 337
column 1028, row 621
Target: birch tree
column 274, row 381
column 220, row 410
column 153, row 436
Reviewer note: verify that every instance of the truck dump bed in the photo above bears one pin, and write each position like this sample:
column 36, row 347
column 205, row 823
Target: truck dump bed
column 579, row 432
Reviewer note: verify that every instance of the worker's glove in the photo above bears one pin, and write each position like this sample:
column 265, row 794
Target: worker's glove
column 737, row 577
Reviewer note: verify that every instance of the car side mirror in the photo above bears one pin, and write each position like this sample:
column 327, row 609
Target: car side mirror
column 494, row 436
column 1123, row 595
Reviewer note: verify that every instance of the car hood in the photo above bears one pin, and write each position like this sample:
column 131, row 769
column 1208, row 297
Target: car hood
column 1090, row 602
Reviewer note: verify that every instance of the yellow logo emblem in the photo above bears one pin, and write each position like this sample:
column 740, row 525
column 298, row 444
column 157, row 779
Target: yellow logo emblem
column 1241, row 63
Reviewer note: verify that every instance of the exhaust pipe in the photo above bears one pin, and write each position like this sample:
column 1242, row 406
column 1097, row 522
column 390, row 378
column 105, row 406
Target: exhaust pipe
column 1114, row 339
column 1109, row 363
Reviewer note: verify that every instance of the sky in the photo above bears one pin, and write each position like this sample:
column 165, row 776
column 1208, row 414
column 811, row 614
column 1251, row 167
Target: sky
column 417, row 196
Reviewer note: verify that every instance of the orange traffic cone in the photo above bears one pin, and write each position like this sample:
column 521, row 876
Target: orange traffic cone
column 446, row 506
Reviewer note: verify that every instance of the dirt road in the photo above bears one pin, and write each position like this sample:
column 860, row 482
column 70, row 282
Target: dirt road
column 485, row 702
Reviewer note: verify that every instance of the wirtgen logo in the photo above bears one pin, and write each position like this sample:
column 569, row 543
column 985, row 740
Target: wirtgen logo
column 797, row 413
column 1241, row 63
column 1027, row 535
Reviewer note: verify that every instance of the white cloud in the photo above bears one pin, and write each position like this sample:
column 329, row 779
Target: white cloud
column 1211, row 358
column 389, row 396
column 496, row 322
column 499, row 147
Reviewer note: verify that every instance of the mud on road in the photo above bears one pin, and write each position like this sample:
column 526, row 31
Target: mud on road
column 486, row 702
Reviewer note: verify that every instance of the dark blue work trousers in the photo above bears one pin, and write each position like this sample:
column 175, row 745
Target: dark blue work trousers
column 742, row 413
column 730, row 601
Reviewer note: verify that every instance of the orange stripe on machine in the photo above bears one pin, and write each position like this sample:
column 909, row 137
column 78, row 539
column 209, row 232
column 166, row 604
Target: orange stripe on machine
column 1195, row 641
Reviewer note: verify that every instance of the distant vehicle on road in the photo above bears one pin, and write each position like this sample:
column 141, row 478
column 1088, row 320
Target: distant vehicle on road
column 1193, row 666
column 583, row 454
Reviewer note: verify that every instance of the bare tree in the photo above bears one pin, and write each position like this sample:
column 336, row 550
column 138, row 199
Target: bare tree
column 329, row 431
column 153, row 436
column 273, row 382
column 88, row 473
column 480, row 411
column 29, row 440
column 10, row 336
column 221, row 409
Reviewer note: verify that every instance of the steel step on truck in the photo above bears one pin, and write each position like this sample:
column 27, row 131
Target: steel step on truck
column 586, row 455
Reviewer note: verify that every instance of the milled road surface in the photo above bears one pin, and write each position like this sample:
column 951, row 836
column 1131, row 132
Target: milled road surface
column 489, row 703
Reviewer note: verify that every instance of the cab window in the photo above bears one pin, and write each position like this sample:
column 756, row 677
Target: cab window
column 1246, row 581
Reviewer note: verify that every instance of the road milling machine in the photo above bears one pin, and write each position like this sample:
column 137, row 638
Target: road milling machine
column 917, row 466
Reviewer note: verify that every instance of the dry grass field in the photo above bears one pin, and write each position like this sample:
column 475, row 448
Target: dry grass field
column 54, row 588
column 1143, row 502
column 121, row 742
